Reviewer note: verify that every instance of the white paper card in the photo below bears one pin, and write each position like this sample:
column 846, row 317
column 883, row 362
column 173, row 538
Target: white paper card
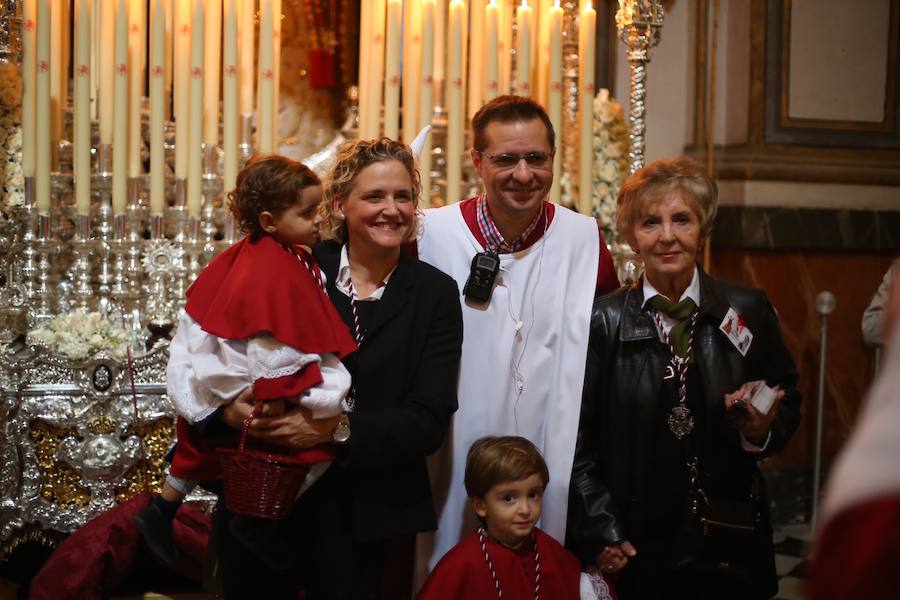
column 763, row 397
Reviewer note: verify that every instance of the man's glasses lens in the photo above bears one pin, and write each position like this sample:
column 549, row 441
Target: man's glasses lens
column 533, row 159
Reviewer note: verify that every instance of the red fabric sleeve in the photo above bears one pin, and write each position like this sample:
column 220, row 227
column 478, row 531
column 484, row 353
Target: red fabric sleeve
column 289, row 386
column 101, row 557
column 607, row 279
column 858, row 552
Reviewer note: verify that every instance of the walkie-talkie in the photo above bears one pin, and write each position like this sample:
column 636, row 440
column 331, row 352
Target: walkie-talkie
column 480, row 284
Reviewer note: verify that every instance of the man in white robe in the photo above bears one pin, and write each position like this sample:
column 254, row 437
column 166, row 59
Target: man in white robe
column 524, row 349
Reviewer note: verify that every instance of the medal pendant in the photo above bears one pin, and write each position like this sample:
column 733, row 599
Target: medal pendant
column 681, row 423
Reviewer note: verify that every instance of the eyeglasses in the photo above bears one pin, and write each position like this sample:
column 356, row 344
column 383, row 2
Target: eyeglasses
column 537, row 160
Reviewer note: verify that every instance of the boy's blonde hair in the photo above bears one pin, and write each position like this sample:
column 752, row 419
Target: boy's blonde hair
column 494, row 460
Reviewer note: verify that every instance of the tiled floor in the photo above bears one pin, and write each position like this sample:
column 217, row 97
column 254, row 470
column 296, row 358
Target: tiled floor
column 789, row 493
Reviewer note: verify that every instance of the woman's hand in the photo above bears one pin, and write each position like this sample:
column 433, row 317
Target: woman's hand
column 295, row 429
column 614, row 557
column 753, row 424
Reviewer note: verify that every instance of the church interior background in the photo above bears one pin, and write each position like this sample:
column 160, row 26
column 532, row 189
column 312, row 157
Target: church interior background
column 123, row 121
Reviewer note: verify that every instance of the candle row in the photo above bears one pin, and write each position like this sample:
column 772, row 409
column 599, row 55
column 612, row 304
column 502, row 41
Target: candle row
column 212, row 41
column 402, row 47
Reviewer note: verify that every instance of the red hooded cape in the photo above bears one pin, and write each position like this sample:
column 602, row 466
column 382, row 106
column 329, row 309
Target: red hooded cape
column 258, row 286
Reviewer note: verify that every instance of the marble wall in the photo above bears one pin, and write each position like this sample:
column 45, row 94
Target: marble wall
column 792, row 280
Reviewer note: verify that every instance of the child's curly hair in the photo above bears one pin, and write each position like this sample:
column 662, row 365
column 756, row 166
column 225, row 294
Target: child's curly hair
column 268, row 182
column 352, row 157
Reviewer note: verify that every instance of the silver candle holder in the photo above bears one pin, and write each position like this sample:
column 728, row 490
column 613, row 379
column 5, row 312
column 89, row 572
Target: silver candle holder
column 82, row 267
column 639, row 23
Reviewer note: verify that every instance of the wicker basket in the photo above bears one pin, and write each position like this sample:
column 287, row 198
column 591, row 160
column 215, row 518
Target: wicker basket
column 260, row 484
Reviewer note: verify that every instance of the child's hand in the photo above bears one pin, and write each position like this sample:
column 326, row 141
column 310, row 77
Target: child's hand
column 273, row 408
column 614, row 557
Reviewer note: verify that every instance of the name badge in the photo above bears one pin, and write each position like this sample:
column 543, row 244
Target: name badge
column 735, row 329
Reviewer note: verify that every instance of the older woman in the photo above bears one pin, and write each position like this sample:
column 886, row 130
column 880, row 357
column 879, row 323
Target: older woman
column 665, row 486
column 353, row 532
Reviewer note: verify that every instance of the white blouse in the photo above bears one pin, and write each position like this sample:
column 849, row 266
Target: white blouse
column 205, row 372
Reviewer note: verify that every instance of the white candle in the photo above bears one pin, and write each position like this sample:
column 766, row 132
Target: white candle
column 364, row 81
column 393, row 45
column 95, row 68
column 376, row 70
column 426, row 100
column 56, row 65
column 247, row 49
column 455, row 125
column 136, row 51
column 524, row 16
column 264, row 118
column 28, row 86
column 107, row 69
column 477, row 48
column 157, row 106
column 211, row 67
column 506, row 37
column 492, row 50
column 81, row 149
column 169, row 9
column 587, row 28
column 440, row 43
column 412, row 67
column 230, row 101
column 42, row 109
column 554, row 91
column 195, row 111
column 120, row 108
column 276, row 62
column 181, row 95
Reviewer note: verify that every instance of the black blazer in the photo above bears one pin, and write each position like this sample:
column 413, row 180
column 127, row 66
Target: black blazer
column 405, row 377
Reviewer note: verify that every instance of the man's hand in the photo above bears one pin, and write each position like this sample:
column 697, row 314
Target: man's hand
column 753, row 424
column 614, row 557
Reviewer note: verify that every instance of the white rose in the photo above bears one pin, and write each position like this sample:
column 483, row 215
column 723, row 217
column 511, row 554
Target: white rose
column 14, row 199
column 14, row 179
column 14, row 140
column 609, row 172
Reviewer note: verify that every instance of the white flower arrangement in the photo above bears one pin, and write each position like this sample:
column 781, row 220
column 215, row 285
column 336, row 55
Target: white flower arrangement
column 610, row 161
column 12, row 185
column 79, row 335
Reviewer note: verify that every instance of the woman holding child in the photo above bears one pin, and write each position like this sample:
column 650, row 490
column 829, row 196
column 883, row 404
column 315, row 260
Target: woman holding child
column 665, row 486
column 352, row 534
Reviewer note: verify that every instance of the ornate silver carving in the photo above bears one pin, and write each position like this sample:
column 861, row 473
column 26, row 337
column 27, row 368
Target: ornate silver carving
column 77, row 426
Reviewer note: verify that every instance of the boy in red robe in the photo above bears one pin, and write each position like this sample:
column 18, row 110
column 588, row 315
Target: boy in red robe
column 257, row 316
column 508, row 557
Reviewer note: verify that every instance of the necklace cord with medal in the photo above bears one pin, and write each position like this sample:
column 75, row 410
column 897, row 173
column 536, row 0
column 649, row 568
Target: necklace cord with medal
column 482, row 536
column 680, row 420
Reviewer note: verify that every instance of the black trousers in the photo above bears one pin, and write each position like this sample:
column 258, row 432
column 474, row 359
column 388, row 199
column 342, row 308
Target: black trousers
column 326, row 560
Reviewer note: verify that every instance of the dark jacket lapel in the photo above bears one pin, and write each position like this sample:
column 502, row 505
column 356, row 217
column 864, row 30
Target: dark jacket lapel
column 396, row 295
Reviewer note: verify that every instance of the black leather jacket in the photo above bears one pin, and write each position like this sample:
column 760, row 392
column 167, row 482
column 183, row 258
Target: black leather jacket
column 625, row 367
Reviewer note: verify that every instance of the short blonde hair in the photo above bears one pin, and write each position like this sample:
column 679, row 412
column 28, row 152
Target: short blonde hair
column 657, row 179
column 352, row 158
column 495, row 460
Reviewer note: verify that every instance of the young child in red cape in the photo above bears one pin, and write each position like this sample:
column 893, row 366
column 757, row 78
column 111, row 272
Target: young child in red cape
column 508, row 557
column 257, row 316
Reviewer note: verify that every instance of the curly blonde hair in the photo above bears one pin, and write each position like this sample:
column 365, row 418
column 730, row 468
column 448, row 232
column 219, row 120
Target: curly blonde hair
column 268, row 182
column 352, row 158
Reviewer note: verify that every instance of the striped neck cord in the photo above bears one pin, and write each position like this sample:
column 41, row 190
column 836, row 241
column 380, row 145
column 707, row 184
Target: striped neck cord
column 681, row 422
column 482, row 535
